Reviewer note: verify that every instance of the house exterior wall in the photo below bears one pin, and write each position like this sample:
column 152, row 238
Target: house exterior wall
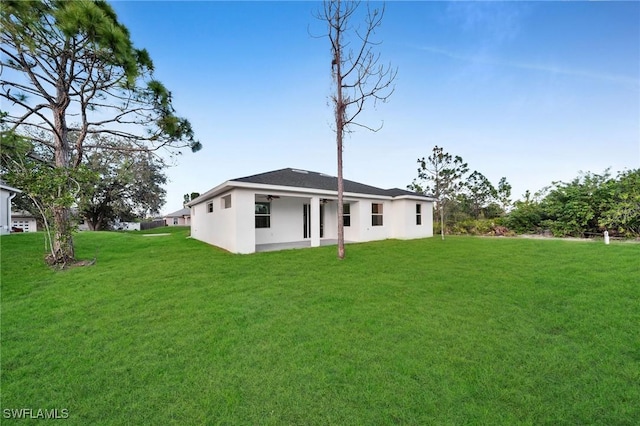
column 352, row 232
column 243, row 226
column 330, row 230
column 5, row 225
column 5, row 210
column 367, row 231
column 286, row 221
column 404, row 219
column 216, row 227
column 427, row 220
column 233, row 228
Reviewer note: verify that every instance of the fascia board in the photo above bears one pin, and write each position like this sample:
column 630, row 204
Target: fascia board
column 209, row 194
column 414, row 197
column 10, row 188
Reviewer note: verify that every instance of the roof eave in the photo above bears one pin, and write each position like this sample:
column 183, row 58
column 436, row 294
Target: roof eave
column 414, row 197
column 209, row 194
column 10, row 188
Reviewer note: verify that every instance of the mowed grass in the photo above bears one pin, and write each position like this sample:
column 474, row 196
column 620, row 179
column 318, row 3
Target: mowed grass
column 169, row 330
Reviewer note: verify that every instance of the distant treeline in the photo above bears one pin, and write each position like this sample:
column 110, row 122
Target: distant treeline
column 589, row 204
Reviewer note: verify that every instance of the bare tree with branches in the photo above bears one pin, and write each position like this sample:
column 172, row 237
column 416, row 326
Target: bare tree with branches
column 358, row 76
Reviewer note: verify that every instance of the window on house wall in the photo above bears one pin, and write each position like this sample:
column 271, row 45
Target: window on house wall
column 175, row 220
column 226, row 202
column 263, row 215
column 376, row 214
column 346, row 214
column 418, row 214
column 210, row 207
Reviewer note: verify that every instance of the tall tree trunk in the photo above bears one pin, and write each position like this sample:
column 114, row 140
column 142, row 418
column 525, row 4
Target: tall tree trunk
column 92, row 223
column 340, row 118
column 63, row 251
column 352, row 80
column 340, row 200
column 442, row 221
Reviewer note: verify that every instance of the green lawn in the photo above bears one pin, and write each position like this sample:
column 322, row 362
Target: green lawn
column 169, row 330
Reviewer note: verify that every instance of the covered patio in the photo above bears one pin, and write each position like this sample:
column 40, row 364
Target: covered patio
column 295, row 245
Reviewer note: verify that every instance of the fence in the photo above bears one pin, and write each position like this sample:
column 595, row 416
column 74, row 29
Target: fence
column 150, row 225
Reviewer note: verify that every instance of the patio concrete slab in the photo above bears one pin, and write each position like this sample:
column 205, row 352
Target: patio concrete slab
column 294, row 245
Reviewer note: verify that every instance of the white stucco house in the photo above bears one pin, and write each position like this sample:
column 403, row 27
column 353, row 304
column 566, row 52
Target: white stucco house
column 291, row 207
column 180, row 217
column 6, row 195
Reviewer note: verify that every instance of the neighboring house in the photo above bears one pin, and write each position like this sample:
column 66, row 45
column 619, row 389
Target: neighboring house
column 181, row 217
column 24, row 220
column 6, row 195
column 291, row 207
column 82, row 224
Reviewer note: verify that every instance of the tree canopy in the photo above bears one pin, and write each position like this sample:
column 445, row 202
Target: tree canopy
column 440, row 175
column 589, row 204
column 70, row 66
column 126, row 186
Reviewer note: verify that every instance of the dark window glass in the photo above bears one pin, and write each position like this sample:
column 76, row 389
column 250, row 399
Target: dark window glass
column 263, row 221
column 263, row 208
column 263, row 215
column 346, row 214
column 376, row 214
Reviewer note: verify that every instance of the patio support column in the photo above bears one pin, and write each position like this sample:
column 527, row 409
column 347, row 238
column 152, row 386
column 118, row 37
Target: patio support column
column 315, row 221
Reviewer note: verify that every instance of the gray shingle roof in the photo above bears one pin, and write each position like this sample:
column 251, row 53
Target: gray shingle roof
column 397, row 192
column 180, row 213
column 314, row 180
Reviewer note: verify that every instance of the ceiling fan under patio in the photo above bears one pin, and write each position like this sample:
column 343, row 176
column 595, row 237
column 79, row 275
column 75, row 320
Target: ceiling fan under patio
column 271, row 197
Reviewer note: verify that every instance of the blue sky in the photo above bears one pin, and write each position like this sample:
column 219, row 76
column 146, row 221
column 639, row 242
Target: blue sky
column 533, row 91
